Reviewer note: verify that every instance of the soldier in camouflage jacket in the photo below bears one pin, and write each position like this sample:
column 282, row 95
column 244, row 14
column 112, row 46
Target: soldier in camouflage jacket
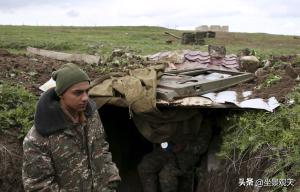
column 67, row 152
column 171, row 169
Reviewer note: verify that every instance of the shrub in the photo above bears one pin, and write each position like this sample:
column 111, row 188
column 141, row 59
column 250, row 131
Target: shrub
column 278, row 133
column 17, row 107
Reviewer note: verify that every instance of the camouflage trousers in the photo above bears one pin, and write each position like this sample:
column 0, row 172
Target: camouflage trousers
column 165, row 171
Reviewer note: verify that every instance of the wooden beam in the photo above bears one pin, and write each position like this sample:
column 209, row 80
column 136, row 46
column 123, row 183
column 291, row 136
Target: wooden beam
column 167, row 33
column 90, row 59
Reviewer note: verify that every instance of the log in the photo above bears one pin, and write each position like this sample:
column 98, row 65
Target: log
column 168, row 33
column 90, row 59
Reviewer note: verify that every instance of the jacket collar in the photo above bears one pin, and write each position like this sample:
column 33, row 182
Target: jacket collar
column 49, row 116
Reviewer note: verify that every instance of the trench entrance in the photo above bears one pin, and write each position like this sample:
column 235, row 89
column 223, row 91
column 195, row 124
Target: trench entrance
column 127, row 145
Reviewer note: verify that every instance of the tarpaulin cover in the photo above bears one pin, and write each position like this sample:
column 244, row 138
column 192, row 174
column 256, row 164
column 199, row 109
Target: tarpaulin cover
column 137, row 90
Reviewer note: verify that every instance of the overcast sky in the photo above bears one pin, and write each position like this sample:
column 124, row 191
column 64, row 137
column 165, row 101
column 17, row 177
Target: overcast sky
column 268, row 16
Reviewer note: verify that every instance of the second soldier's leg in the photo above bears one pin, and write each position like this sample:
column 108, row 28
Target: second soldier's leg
column 186, row 162
column 149, row 168
column 168, row 177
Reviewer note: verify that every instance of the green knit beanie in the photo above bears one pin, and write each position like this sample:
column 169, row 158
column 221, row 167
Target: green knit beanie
column 68, row 75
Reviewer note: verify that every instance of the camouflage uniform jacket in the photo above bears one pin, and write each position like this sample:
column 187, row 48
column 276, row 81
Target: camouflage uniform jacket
column 62, row 156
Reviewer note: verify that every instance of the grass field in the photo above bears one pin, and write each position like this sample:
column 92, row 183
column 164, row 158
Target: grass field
column 139, row 40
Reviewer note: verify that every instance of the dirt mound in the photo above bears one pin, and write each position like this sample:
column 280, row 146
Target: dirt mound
column 32, row 72
column 284, row 58
column 279, row 90
column 277, row 81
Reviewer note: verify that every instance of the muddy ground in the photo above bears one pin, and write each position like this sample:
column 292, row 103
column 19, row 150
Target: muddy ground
column 32, row 72
column 275, row 80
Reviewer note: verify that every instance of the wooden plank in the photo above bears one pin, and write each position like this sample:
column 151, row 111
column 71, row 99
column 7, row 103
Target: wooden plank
column 90, row 59
column 171, row 34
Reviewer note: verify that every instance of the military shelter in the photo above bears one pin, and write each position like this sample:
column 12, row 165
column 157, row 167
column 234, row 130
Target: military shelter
column 133, row 105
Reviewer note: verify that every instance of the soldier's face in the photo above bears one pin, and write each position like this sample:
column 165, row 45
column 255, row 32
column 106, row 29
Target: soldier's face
column 76, row 97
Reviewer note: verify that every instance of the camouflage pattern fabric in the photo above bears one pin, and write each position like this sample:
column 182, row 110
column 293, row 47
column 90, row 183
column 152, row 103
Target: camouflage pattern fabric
column 173, row 171
column 74, row 159
column 158, row 168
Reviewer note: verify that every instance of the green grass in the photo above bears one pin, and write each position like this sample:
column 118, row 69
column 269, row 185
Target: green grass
column 140, row 40
column 261, row 135
column 17, row 107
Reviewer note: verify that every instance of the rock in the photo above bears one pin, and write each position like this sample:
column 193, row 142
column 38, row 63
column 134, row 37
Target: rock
column 249, row 63
column 250, row 58
column 117, row 53
column 217, row 51
column 267, row 63
column 259, row 72
column 33, row 59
